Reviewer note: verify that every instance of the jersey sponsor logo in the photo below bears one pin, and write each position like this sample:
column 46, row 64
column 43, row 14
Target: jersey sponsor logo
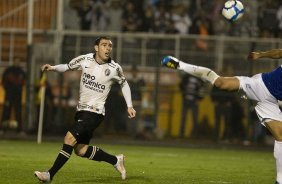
column 107, row 72
column 90, row 83
column 88, row 76
column 76, row 61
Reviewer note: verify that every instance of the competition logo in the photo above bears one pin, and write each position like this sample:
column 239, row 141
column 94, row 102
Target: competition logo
column 107, row 72
column 120, row 74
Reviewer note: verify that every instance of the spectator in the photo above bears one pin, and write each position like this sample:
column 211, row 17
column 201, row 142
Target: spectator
column 190, row 87
column 162, row 20
column 267, row 20
column 148, row 20
column 131, row 21
column 181, row 19
column 71, row 18
column 220, row 25
column 99, row 15
column 13, row 80
column 85, row 14
column 223, row 109
column 114, row 16
column 202, row 26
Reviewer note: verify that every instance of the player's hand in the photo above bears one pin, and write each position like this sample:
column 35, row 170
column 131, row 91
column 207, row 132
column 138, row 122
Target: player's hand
column 253, row 56
column 131, row 112
column 46, row 67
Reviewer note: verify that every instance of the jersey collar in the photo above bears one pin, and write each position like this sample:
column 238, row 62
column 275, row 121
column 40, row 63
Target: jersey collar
column 108, row 61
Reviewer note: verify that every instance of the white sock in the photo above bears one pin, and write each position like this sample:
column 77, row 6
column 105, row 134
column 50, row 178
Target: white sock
column 278, row 156
column 199, row 71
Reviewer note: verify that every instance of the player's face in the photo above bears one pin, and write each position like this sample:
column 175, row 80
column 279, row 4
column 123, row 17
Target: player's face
column 104, row 50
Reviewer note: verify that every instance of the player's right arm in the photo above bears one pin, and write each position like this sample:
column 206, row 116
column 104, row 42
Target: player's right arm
column 273, row 54
column 74, row 64
column 57, row 68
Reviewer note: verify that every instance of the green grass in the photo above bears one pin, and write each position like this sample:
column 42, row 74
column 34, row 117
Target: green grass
column 144, row 164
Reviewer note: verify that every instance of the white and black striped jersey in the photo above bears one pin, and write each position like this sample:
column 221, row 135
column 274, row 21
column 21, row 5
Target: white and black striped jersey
column 95, row 82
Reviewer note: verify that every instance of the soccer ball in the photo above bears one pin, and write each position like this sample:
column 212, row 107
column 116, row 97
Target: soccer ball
column 233, row 10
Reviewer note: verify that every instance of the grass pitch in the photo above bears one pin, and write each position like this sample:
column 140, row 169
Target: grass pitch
column 144, row 164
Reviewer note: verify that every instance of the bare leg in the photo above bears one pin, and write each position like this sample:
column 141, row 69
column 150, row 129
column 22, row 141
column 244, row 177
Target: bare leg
column 199, row 71
column 224, row 83
column 227, row 83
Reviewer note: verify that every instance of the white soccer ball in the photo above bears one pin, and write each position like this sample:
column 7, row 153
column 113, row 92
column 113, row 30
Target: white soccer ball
column 233, row 10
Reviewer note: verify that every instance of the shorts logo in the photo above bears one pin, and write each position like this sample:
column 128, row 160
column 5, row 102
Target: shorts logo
column 107, row 72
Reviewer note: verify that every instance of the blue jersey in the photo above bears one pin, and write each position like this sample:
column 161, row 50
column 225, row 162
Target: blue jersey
column 273, row 82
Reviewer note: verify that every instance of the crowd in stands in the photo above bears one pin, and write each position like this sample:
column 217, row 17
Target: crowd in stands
column 262, row 18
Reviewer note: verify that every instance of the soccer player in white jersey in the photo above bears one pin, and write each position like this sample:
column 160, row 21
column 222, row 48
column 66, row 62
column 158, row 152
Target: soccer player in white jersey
column 99, row 72
column 264, row 88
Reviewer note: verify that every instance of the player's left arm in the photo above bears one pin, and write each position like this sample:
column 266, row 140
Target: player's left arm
column 127, row 96
column 126, row 92
column 273, row 54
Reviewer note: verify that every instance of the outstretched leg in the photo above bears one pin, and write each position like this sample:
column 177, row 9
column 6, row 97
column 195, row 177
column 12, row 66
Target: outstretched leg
column 206, row 74
column 197, row 71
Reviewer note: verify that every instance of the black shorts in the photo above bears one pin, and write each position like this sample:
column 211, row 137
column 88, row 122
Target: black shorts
column 85, row 123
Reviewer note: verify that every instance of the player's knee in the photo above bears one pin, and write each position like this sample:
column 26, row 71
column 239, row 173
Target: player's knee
column 219, row 83
column 81, row 149
column 79, row 152
column 224, row 84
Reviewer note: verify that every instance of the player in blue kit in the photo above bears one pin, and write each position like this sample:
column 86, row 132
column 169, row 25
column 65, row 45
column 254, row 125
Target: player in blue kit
column 264, row 88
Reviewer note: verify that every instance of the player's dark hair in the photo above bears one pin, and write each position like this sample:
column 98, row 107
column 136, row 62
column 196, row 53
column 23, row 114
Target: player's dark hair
column 97, row 41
